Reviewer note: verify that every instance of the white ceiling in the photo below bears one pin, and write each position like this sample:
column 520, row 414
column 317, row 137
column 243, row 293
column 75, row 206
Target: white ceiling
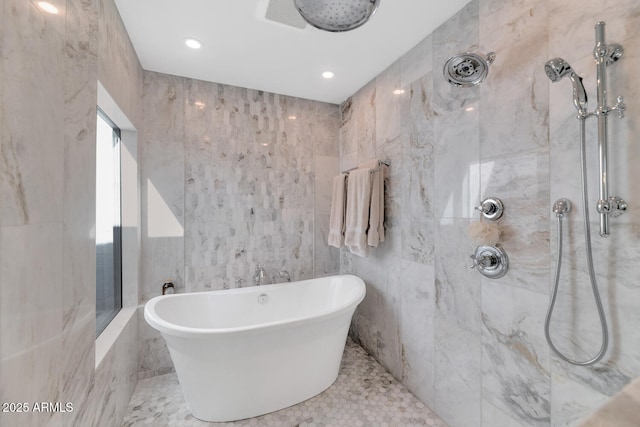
column 243, row 48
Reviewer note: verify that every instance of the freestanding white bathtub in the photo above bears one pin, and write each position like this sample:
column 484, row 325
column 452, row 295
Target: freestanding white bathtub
column 240, row 353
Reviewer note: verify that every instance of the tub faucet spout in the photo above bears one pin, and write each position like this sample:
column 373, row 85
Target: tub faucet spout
column 166, row 286
column 260, row 276
column 282, row 274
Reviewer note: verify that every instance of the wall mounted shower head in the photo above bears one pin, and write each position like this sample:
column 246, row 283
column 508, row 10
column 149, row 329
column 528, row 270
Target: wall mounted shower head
column 556, row 69
column 467, row 69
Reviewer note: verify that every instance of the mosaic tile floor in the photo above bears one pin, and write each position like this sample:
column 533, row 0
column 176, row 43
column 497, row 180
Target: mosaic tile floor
column 363, row 395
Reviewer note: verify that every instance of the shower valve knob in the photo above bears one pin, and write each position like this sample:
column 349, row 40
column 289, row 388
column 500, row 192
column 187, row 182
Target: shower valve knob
column 491, row 208
column 620, row 107
column 618, row 206
column 490, row 261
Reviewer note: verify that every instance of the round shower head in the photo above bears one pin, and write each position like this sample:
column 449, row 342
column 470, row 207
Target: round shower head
column 467, row 69
column 557, row 68
column 336, row 15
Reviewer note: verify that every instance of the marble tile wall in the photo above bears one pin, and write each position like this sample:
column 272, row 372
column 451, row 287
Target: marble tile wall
column 473, row 348
column 48, row 92
column 231, row 178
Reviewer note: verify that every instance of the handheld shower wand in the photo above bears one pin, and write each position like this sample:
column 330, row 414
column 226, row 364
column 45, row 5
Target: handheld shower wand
column 558, row 68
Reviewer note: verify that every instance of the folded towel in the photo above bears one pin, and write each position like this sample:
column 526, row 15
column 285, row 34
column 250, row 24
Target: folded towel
column 375, row 234
column 338, row 206
column 357, row 214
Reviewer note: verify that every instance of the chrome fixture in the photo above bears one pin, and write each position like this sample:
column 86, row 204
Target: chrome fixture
column 556, row 69
column 166, row 286
column 605, row 55
column 260, row 276
column 491, row 208
column 490, row 261
column 282, row 274
column 336, row 15
column 467, row 69
column 562, row 207
column 607, row 205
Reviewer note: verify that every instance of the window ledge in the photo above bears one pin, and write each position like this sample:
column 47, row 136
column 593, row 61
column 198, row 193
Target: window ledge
column 108, row 337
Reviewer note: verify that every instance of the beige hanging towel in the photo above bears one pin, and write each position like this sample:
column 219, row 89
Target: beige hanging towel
column 357, row 215
column 338, row 206
column 375, row 233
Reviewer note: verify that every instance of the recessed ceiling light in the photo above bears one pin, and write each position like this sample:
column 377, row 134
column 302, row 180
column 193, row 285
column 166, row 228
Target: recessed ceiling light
column 468, row 109
column 48, row 7
column 398, row 91
column 200, row 104
column 327, row 75
column 292, row 117
column 193, row 43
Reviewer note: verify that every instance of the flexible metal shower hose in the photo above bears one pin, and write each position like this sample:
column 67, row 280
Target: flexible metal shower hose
column 592, row 275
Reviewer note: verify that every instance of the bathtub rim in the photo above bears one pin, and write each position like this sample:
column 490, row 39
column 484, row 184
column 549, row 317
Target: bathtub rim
column 165, row 327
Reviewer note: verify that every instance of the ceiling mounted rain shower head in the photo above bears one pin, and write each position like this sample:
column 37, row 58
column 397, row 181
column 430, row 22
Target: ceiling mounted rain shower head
column 467, row 69
column 336, row 15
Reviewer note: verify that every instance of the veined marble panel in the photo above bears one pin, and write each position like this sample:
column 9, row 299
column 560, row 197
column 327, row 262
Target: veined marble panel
column 417, row 62
column 388, row 103
column 522, row 183
column 417, row 317
column 418, row 375
column 417, row 307
column 572, row 401
column 419, row 153
column 31, row 349
column 456, row 163
column 515, row 358
column 457, row 285
column 418, row 173
column 458, row 375
column 364, row 119
column 376, row 322
column 348, row 135
column 162, row 184
column 494, row 417
column 79, row 286
column 32, row 154
column 515, row 94
column 118, row 67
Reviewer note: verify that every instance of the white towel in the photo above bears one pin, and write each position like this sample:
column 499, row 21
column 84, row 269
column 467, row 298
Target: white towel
column 357, row 215
column 375, row 234
column 338, row 205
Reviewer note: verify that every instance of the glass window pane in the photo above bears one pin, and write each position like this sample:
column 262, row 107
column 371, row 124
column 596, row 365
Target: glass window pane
column 108, row 218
